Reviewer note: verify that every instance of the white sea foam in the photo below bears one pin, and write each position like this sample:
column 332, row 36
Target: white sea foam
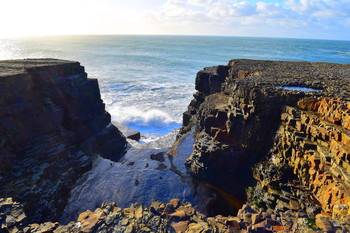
column 135, row 115
column 152, row 108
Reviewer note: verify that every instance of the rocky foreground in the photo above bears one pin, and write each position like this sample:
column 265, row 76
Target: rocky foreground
column 260, row 139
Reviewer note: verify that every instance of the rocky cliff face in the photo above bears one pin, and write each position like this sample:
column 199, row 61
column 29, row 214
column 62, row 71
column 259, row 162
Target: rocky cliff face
column 261, row 135
column 53, row 123
column 261, row 114
column 308, row 167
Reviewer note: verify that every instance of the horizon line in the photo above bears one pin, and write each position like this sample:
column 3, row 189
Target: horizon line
column 184, row 35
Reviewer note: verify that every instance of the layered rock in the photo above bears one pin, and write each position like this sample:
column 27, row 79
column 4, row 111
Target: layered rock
column 303, row 159
column 53, row 123
column 312, row 146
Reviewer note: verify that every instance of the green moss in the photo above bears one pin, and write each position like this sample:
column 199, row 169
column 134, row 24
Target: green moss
column 311, row 222
column 253, row 198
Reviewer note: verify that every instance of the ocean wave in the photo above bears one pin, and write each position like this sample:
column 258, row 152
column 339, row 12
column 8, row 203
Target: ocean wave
column 134, row 115
column 154, row 109
column 151, row 123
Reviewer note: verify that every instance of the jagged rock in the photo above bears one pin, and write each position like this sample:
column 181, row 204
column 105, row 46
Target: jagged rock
column 159, row 157
column 295, row 140
column 323, row 222
column 128, row 132
column 52, row 125
column 12, row 216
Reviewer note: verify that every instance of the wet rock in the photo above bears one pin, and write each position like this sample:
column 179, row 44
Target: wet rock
column 158, row 157
column 128, row 132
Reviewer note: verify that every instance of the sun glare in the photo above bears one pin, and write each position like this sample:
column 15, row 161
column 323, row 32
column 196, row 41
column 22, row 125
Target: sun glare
column 42, row 17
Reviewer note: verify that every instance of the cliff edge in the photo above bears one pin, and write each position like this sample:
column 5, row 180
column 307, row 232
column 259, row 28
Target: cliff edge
column 276, row 133
column 53, row 123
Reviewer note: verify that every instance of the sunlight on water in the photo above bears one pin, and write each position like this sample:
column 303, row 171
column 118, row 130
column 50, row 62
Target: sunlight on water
column 7, row 49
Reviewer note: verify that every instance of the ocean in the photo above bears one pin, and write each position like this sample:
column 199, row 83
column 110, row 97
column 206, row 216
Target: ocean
column 147, row 82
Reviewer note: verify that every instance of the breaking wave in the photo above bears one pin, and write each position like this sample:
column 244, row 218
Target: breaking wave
column 152, row 123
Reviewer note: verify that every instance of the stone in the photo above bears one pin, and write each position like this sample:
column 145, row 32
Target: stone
column 89, row 219
column 157, row 207
column 323, row 222
column 180, row 214
column 256, row 218
column 340, row 211
column 128, row 132
column 278, row 228
column 234, row 223
column 158, row 157
column 175, row 202
column 194, row 227
column 180, row 226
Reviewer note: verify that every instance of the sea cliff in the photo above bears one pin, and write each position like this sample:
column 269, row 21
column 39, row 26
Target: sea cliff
column 53, row 123
column 272, row 137
column 282, row 124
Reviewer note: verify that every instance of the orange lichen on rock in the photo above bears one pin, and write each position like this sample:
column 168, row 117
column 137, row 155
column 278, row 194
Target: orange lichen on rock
column 320, row 152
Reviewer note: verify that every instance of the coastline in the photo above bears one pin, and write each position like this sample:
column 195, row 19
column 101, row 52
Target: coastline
column 242, row 133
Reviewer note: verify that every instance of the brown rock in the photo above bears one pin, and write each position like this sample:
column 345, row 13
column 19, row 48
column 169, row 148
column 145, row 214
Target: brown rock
column 340, row 211
column 233, row 222
column 256, row 218
column 89, row 219
column 175, row 202
column 194, row 227
column 180, row 226
column 278, row 228
column 323, row 222
column 180, row 214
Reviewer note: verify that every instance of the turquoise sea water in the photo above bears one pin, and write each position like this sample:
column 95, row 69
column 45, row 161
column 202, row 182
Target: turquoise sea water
column 148, row 81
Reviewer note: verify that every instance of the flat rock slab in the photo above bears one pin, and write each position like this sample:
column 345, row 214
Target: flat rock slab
column 128, row 132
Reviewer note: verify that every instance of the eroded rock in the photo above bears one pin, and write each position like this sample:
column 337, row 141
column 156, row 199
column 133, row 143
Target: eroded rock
column 52, row 125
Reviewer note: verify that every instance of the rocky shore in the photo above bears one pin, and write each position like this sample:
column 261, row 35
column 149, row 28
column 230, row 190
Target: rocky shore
column 254, row 122
column 278, row 152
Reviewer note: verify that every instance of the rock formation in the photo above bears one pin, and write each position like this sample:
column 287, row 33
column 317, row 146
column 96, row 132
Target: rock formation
column 258, row 114
column 53, row 123
column 271, row 134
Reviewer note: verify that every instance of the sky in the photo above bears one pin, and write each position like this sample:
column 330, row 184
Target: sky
column 317, row 19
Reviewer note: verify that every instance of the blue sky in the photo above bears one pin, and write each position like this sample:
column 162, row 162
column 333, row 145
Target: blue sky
column 321, row 19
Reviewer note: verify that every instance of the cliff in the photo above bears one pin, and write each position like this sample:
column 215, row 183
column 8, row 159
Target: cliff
column 273, row 135
column 289, row 121
column 53, row 123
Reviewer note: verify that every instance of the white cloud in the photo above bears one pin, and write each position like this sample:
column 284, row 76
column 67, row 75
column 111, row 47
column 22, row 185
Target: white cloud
column 203, row 3
column 288, row 18
column 291, row 15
